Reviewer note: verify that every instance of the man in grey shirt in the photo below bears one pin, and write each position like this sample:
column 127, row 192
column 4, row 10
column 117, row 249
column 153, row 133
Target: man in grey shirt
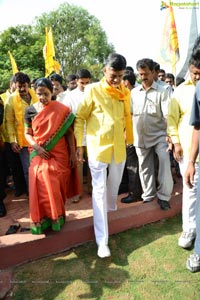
column 150, row 106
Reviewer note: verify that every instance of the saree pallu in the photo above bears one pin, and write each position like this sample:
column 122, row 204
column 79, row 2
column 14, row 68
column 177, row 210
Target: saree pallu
column 50, row 179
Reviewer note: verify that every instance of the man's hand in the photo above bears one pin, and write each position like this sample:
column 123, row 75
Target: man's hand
column 79, row 154
column 189, row 175
column 15, row 147
column 178, row 152
column 72, row 159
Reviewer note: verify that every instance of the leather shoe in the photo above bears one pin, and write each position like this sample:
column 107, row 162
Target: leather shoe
column 130, row 198
column 164, row 204
column 12, row 229
column 103, row 251
column 2, row 209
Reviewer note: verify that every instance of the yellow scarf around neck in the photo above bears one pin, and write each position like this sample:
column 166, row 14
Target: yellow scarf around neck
column 121, row 93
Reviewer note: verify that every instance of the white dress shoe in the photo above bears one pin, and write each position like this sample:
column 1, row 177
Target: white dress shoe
column 103, row 251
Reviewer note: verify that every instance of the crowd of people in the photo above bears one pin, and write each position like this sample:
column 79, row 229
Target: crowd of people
column 124, row 132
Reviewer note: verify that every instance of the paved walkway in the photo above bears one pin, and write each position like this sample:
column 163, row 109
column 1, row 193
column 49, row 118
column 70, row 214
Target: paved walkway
column 21, row 247
column 18, row 211
column 78, row 228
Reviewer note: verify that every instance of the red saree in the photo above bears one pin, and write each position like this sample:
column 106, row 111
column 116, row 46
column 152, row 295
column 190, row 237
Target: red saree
column 49, row 179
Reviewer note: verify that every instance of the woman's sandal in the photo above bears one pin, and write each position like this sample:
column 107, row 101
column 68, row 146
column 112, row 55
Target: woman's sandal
column 56, row 225
column 62, row 220
column 45, row 224
column 36, row 228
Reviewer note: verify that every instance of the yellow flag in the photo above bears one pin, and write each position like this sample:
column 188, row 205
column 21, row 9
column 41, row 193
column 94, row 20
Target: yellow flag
column 13, row 63
column 170, row 44
column 51, row 65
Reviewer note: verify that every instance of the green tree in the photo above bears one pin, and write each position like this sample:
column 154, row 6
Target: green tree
column 25, row 46
column 79, row 40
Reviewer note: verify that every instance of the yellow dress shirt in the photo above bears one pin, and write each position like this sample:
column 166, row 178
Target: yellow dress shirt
column 14, row 117
column 180, row 107
column 5, row 96
column 105, row 124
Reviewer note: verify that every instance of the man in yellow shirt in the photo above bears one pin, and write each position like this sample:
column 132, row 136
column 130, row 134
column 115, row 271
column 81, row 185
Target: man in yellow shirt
column 14, row 118
column 11, row 159
column 2, row 179
column 106, row 110
column 181, row 135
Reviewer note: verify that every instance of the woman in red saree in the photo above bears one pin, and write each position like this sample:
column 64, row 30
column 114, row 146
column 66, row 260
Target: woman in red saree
column 52, row 159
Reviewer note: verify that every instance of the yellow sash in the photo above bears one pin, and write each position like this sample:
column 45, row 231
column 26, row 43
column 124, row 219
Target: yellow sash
column 123, row 94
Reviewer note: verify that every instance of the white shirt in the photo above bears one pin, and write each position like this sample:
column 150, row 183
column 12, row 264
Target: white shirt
column 149, row 110
column 72, row 99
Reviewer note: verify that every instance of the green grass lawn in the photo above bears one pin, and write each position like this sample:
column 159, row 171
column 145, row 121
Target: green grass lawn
column 146, row 264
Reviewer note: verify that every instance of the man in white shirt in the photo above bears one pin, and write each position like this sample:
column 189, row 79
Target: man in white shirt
column 72, row 99
column 150, row 107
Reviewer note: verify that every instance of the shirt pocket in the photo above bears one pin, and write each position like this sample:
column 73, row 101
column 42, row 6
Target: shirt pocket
column 152, row 105
column 138, row 109
column 151, row 109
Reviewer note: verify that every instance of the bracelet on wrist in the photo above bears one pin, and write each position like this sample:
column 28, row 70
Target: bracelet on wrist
column 36, row 147
column 191, row 161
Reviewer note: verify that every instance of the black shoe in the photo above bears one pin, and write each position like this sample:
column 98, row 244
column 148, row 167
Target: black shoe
column 12, row 229
column 2, row 209
column 164, row 204
column 130, row 198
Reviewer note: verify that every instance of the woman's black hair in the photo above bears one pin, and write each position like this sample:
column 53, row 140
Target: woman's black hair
column 45, row 82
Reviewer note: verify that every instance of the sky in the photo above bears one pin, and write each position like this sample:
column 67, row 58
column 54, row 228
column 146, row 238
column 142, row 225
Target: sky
column 135, row 28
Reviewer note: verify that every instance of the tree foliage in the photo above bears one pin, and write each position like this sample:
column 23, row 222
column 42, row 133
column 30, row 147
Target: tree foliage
column 25, row 46
column 79, row 42
column 78, row 37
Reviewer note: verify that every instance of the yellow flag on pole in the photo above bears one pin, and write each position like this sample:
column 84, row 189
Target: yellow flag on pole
column 170, row 45
column 51, row 65
column 13, row 63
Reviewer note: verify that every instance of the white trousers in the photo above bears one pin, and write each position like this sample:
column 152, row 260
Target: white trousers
column 189, row 200
column 106, row 179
